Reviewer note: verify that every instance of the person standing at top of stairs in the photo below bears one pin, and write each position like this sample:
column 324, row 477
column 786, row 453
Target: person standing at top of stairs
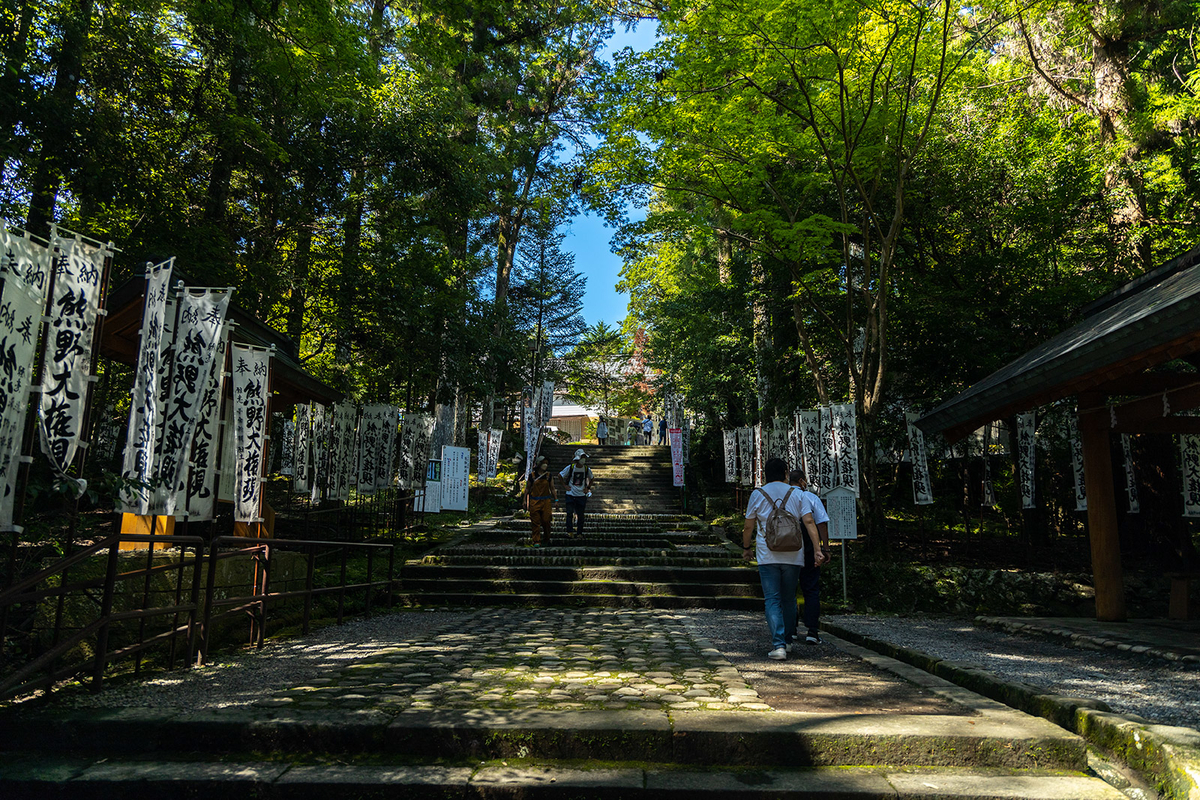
column 662, row 431
column 602, row 432
column 578, row 480
column 648, row 428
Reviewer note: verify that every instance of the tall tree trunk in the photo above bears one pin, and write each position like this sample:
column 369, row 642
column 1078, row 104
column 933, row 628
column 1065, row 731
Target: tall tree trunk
column 58, row 123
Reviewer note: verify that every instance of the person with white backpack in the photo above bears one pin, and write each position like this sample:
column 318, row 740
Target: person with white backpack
column 778, row 516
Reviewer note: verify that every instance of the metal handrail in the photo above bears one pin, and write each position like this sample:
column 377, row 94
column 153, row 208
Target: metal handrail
column 193, row 618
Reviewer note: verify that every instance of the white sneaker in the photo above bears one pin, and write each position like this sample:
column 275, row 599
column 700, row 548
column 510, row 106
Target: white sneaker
column 778, row 654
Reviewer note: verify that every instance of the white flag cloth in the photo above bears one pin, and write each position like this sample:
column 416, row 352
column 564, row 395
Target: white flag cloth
column 191, row 357
column 531, row 437
column 922, row 490
column 144, row 406
column 371, row 442
column 1076, row 445
column 1027, row 455
column 75, row 302
column 845, row 446
column 988, row 494
column 778, row 446
column 346, row 417
column 251, row 368
column 1131, row 484
column 287, row 447
column 26, row 271
column 319, row 427
column 389, row 428
column 795, row 458
column 481, row 459
column 828, row 464
column 303, row 449
column 729, row 439
column 760, row 455
column 201, row 500
column 811, row 447
column 414, row 451
column 493, row 465
column 1189, row 451
column 547, row 409
column 745, row 455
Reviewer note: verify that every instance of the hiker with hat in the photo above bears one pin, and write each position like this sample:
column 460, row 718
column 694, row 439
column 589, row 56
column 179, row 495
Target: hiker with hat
column 578, row 480
column 540, row 497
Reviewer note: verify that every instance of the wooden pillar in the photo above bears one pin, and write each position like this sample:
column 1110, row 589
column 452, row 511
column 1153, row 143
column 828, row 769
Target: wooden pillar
column 1102, row 519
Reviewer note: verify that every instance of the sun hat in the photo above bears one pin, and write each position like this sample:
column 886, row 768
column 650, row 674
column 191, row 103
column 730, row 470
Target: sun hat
column 580, row 454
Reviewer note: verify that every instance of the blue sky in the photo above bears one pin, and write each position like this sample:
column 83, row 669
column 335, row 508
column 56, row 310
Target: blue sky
column 588, row 237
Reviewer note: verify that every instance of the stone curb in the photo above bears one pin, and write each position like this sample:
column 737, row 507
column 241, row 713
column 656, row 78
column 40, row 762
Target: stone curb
column 1084, row 638
column 1168, row 757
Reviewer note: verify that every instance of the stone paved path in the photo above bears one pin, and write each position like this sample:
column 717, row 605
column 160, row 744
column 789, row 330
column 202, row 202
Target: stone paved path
column 549, row 659
column 523, row 659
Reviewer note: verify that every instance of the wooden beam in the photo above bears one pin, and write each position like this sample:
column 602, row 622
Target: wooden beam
column 1146, row 383
column 1163, row 425
column 1144, row 415
column 1102, row 522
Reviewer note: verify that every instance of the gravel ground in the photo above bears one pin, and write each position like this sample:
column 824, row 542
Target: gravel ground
column 1160, row 691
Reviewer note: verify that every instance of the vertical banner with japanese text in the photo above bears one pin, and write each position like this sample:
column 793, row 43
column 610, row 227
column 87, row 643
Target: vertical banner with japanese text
column 74, row 306
column 922, row 490
column 201, row 501
column 844, row 446
column 1027, row 456
column 493, row 465
column 1076, row 445
column 760, row 455
column 346, row 416
column 251, row 368
column 1131, row 484
column 1189, row 452
column 200, row 317
column 319, row 478
column 828, row 469
column 303, row 443
column 385, row 468
column 745, row 456
column 370, row 444
column 987, row 496
column 810, row 449
column 675, row 437
column 144, row 404
column 25, row 268
column 531, row 437
column 414, row 451
column 729, row 440
column 547, row 409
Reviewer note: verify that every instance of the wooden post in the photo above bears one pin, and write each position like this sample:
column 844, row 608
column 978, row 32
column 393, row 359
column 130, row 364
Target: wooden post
column 1102, row 517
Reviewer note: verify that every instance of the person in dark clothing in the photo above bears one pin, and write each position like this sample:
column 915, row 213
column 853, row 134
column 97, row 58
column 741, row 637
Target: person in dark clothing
column 662, row 431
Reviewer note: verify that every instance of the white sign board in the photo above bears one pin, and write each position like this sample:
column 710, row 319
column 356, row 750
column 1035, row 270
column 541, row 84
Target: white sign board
column 842, row 508
column 456, row 477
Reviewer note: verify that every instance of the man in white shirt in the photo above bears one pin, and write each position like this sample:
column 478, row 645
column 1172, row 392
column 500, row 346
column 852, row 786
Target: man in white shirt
column 577, row 478
column 778, row 571
column 810, row 573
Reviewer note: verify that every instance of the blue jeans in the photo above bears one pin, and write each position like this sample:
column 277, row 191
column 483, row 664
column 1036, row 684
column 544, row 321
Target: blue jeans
column 810, row 589
column 779, row 594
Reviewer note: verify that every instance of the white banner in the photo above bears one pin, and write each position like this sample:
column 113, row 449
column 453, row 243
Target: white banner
column 1189, row 451
column 319, row 477
column 778, row 445
column 414, row 450
column 922, row 489
column 828, row 465
column 141, row 438
column 760, row 455
column 745, row 455
column 251, row 368
column 303, row 449
column 385, row 468
column 25, row 267
column 287, row 447
column 1131, row 484
column 729, row 439
column 811, row 446
column 795, row 456
column 481, row 460
column 197, row 336
column 201, row 500
column 1076, row 446
column 987, row 496
column 547, row 408
column 346, row 419
column 371, row 444
column 845, row 447
column 456, row 478
column 532, row 430
column 675, row 437
column 493, row 466
column 1027, row 456
column 67, row 363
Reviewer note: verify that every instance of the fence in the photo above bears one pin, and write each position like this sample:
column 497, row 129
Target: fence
column 99, row 607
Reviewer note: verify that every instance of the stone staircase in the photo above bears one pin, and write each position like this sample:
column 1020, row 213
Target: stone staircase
column 629, row 480
column 621, row 560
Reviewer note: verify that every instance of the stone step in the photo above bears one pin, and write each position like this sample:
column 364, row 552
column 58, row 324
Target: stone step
column 30, row 776
column 430, row 589
column 714, row 575
column 1001, row 739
